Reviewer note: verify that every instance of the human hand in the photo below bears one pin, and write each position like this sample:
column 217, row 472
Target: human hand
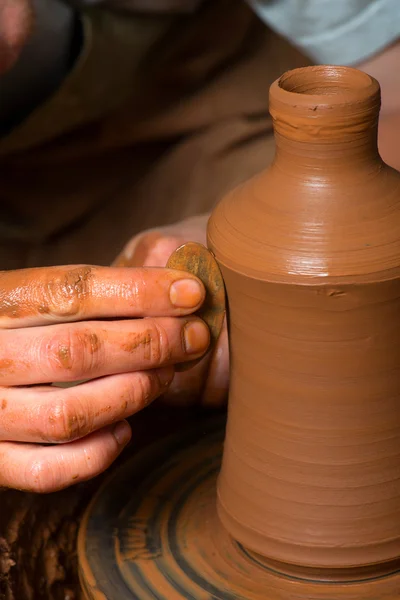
column 16, row 19
column 121, row 329
column 205, row 384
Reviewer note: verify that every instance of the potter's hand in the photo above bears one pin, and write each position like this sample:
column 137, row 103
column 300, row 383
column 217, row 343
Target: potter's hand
column 67, row 324
column 207, row 383
column 16, row 19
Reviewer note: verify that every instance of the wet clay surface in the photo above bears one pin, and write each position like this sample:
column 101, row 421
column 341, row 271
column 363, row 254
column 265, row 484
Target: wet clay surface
column 310, row 255
column 196, row 259
column 166, row 541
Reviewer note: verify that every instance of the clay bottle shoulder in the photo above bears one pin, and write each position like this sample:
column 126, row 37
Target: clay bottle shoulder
column 275, row 228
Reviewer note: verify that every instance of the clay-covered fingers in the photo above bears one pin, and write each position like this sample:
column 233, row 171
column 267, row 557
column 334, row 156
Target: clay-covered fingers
column 76, row 351
column 44, row 469
column 58, row 416
column 216, row 386
column 32, row 297
column 206, row 384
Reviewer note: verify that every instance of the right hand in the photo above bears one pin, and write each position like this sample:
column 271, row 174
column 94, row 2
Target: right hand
column 120, row 329
column 16, row 23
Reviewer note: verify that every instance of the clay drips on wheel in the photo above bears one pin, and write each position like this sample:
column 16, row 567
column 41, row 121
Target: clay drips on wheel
column 310, row 254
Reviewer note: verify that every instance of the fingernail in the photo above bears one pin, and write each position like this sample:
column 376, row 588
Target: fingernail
column 122, row 433
column 165, row 375
column 196, row 337
column 186, row 293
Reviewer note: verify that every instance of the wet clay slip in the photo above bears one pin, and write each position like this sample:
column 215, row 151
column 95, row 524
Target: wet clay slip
column 310, row 255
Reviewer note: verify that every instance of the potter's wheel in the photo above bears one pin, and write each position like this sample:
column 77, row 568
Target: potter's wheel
column 152, row 532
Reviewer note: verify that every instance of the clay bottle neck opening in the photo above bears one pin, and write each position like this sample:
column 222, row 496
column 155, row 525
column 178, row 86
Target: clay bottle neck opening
column 326, row 112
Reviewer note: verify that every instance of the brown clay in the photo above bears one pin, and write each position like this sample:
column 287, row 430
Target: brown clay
column 310, row 254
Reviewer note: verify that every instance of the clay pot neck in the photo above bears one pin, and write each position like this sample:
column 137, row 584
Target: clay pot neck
column 325, row 115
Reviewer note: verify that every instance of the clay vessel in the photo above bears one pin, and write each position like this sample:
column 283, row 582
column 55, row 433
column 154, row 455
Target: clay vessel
column 310, row 254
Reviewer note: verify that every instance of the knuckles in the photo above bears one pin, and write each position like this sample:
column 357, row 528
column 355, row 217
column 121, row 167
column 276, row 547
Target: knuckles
column 159, row 343
column 69, row 416
column 66, row 420
column 65, row 294
column 145, row 390
column 57, row 292
column 152, row 343
column 73, row 353
column 40, row 477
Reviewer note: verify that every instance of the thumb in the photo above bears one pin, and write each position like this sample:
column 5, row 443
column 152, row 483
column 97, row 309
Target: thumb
column 149, row 249
column 160, row 251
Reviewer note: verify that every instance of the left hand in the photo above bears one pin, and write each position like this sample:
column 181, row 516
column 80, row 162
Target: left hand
column 206, row 383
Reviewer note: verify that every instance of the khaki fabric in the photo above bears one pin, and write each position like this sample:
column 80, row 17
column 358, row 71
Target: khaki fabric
column 103, row 158
column 158, row 119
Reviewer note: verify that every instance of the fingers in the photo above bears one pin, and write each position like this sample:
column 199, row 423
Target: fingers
column 74, row 293
column 44, row 469
column 215, row 390
column 186, row 388
column 56, row 415
column 206, row 384
column 76, row 351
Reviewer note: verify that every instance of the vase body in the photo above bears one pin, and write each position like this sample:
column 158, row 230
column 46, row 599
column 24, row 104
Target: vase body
column 310, row 254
